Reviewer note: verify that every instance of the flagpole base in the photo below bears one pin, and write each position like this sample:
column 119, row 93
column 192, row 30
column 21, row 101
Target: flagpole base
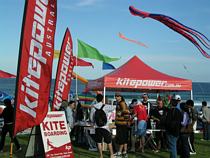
column 11, row 150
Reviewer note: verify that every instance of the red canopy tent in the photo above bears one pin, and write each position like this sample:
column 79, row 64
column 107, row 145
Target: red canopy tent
column 135, row 75
column 4, row 74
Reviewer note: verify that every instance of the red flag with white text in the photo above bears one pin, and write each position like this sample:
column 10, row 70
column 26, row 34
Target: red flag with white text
column 64, row 72
column 81, row 62
column 35, row 63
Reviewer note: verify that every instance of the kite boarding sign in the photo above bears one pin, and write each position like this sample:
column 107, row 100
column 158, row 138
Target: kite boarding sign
column 55, row 136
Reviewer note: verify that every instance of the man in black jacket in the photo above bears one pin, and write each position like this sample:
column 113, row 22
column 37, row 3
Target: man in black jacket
column 173, row 126
column 8, row 115
column 158, row 115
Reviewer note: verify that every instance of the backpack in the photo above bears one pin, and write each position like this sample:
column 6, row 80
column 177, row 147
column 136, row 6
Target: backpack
column 100, row 117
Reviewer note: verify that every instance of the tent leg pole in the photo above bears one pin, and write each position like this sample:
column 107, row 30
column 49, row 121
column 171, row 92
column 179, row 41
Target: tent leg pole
column 104, row 94
column 191, row 95
column 158, row 95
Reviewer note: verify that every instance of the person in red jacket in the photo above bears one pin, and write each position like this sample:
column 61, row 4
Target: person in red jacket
column 141, row 114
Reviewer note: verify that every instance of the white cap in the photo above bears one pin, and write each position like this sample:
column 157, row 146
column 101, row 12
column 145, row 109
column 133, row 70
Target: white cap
column 178, row 97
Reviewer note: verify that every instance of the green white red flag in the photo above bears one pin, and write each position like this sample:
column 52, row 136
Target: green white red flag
column 87, row 51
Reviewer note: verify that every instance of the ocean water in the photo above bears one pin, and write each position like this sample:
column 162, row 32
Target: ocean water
column 8, row 86
column 201, row 90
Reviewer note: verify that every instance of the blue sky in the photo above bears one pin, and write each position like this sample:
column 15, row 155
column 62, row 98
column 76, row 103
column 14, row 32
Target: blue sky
column 98, row 22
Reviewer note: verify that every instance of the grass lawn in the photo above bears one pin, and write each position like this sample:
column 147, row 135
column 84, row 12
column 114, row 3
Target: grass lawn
column 202, row 149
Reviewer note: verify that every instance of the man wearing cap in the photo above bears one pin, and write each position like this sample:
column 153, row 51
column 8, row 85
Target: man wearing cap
column 122, row 122
column 173, row 126
column 178, row 99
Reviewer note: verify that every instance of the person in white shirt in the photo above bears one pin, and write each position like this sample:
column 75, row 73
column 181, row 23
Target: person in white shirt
column 104, row 131
column 70, row 113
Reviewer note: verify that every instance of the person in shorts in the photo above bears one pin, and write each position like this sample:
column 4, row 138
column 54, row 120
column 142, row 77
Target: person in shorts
column 103, row 133
column 141, row 114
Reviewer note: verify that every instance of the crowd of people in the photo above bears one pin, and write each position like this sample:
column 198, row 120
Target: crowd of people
column 144, row 124
column 138, row 125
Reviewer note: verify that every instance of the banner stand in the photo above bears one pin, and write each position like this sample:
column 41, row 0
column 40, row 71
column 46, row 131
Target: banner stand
column 51, row 138
column 35, row 147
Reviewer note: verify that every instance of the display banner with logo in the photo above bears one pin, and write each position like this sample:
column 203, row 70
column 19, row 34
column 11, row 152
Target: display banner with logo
column 55, row 136
column 35, row 63
column 64, row 71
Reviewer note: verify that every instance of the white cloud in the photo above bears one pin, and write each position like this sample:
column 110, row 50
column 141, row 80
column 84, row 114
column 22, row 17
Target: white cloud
column 68, row 7
column 75, row 4
column 83, row 3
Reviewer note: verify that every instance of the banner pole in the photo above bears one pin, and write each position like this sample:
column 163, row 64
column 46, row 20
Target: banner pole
column 76, row 72
column 191, row 94
column 18, row 68
column 104, row 94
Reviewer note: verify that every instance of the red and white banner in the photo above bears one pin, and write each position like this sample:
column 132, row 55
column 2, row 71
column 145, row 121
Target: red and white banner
column 150, row 84
column 55, row 136
column 135, row 83
column 64, row 71
column 35, row 63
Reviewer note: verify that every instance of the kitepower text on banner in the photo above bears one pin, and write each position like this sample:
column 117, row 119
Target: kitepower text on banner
column 64, row 71
column 55, row 136
column 35, row 63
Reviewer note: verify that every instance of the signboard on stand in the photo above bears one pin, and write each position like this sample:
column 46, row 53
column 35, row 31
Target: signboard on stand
column 55, row 136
